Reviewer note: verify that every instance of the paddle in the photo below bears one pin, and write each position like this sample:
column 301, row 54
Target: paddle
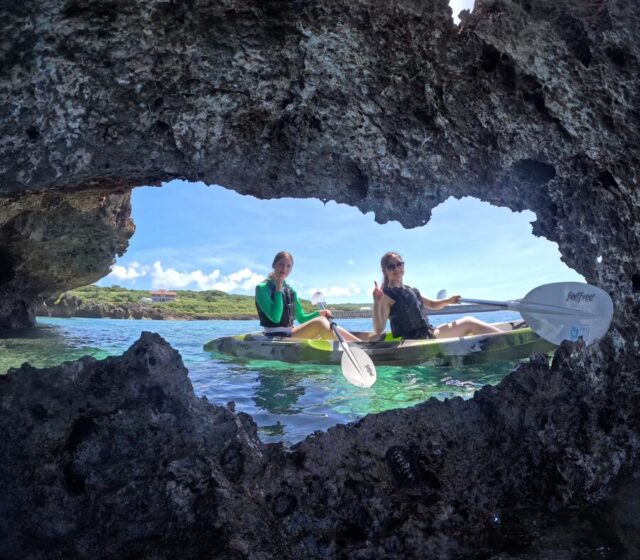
column 357, row 367
column 562, row 311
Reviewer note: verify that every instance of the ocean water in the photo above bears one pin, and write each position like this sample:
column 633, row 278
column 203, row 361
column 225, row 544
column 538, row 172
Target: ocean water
column 288, row 402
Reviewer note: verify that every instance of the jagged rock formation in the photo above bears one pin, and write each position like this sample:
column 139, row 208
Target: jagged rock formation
column 124, row 438
column 51, row 240
column 71, row 306
column 118, row 459
column 384, row 105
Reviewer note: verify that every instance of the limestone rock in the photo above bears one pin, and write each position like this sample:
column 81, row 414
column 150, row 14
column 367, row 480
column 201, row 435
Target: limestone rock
column 52, row 240
column 118, row 458
column 387, row 106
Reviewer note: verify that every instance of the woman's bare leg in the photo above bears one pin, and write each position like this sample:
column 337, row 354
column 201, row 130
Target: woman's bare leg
column 320, row 328
column 464, row 327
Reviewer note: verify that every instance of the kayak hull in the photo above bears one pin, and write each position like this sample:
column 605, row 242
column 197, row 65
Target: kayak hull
column 509, row 345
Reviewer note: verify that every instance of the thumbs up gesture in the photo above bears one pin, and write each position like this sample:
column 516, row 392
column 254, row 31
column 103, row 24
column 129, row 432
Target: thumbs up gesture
column 377, row 292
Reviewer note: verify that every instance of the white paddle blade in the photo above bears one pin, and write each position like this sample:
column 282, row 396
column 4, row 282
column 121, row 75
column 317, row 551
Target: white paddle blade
column 357, row 367
column 317, row 298
column 582, row 311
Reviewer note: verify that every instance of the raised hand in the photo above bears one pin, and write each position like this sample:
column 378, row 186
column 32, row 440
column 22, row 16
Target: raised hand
column 279, row 281
column 377, row 292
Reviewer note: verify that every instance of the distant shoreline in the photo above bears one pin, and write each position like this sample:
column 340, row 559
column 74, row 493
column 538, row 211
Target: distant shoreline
column 155, row 317
column 94, row 302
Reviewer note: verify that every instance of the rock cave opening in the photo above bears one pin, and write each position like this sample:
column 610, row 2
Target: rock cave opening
column 386, row 106
column 197, row 237
column 213, row 243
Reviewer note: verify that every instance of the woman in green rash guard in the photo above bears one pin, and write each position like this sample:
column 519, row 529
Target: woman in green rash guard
column 277, row 304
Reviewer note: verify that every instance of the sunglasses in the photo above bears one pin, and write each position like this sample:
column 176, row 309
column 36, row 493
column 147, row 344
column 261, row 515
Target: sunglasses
column 393, row 266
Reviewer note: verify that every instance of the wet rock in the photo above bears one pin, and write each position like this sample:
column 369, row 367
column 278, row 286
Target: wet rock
column 50, row 240
column 112, row 458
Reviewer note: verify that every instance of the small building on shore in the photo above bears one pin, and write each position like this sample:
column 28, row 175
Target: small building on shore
column 163, row 295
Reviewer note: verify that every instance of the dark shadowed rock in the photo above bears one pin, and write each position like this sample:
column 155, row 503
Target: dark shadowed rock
column 387, row 106
column 118, row 458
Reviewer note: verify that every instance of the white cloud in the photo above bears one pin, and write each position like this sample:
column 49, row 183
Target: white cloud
column 244, row 279
column 252, row 281
column 351, row 261
column 240, row 275
column 171, row 278
column 123, row 273
column 337, row 291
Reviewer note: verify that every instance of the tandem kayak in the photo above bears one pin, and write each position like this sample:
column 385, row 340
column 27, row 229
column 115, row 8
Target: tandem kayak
column 515, row 342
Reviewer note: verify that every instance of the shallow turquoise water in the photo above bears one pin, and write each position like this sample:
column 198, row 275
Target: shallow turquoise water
column 288, row 402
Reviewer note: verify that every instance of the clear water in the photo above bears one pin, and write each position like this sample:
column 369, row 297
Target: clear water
column 288, row 402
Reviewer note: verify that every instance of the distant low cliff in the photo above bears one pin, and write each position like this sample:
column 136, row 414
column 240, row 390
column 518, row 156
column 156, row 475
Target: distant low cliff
column 116, row 302
column 70, row 305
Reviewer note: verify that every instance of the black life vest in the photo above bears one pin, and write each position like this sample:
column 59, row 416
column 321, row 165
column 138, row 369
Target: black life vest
column 408, row 315
column 288, row 313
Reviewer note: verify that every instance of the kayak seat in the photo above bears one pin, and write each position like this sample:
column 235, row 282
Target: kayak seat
column 388, row 337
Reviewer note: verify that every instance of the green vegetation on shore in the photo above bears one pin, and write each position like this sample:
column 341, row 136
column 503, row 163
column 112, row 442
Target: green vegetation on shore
column 189, row 304
column 211, row 304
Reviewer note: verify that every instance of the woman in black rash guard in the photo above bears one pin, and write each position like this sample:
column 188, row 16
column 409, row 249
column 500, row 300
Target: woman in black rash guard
column 407, row 308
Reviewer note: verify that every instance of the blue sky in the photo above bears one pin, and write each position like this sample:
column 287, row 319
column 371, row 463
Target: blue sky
column 189, row 236
column 458, row 5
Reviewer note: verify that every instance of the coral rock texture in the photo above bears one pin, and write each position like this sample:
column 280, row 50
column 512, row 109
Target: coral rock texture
column 119, row 459
column 387, row 106
column 384, row 105
column 53, row 240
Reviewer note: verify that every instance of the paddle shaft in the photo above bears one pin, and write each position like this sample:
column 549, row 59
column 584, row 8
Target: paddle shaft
column 343, row 344
column 532, row 307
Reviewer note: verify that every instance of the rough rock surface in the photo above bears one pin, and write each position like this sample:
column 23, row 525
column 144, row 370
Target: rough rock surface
column 51, row 240
column 119, row 459
column 72, row 306
column 383, row 105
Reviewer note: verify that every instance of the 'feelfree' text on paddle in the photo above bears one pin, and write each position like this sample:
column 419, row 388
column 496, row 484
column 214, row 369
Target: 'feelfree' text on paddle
column 580, row 296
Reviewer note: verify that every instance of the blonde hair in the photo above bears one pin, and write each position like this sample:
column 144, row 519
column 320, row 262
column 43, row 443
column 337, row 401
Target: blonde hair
column 383, row 264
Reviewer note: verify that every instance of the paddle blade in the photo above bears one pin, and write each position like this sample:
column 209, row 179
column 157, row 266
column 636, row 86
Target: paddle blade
column 357, row 367
column 568, row 311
